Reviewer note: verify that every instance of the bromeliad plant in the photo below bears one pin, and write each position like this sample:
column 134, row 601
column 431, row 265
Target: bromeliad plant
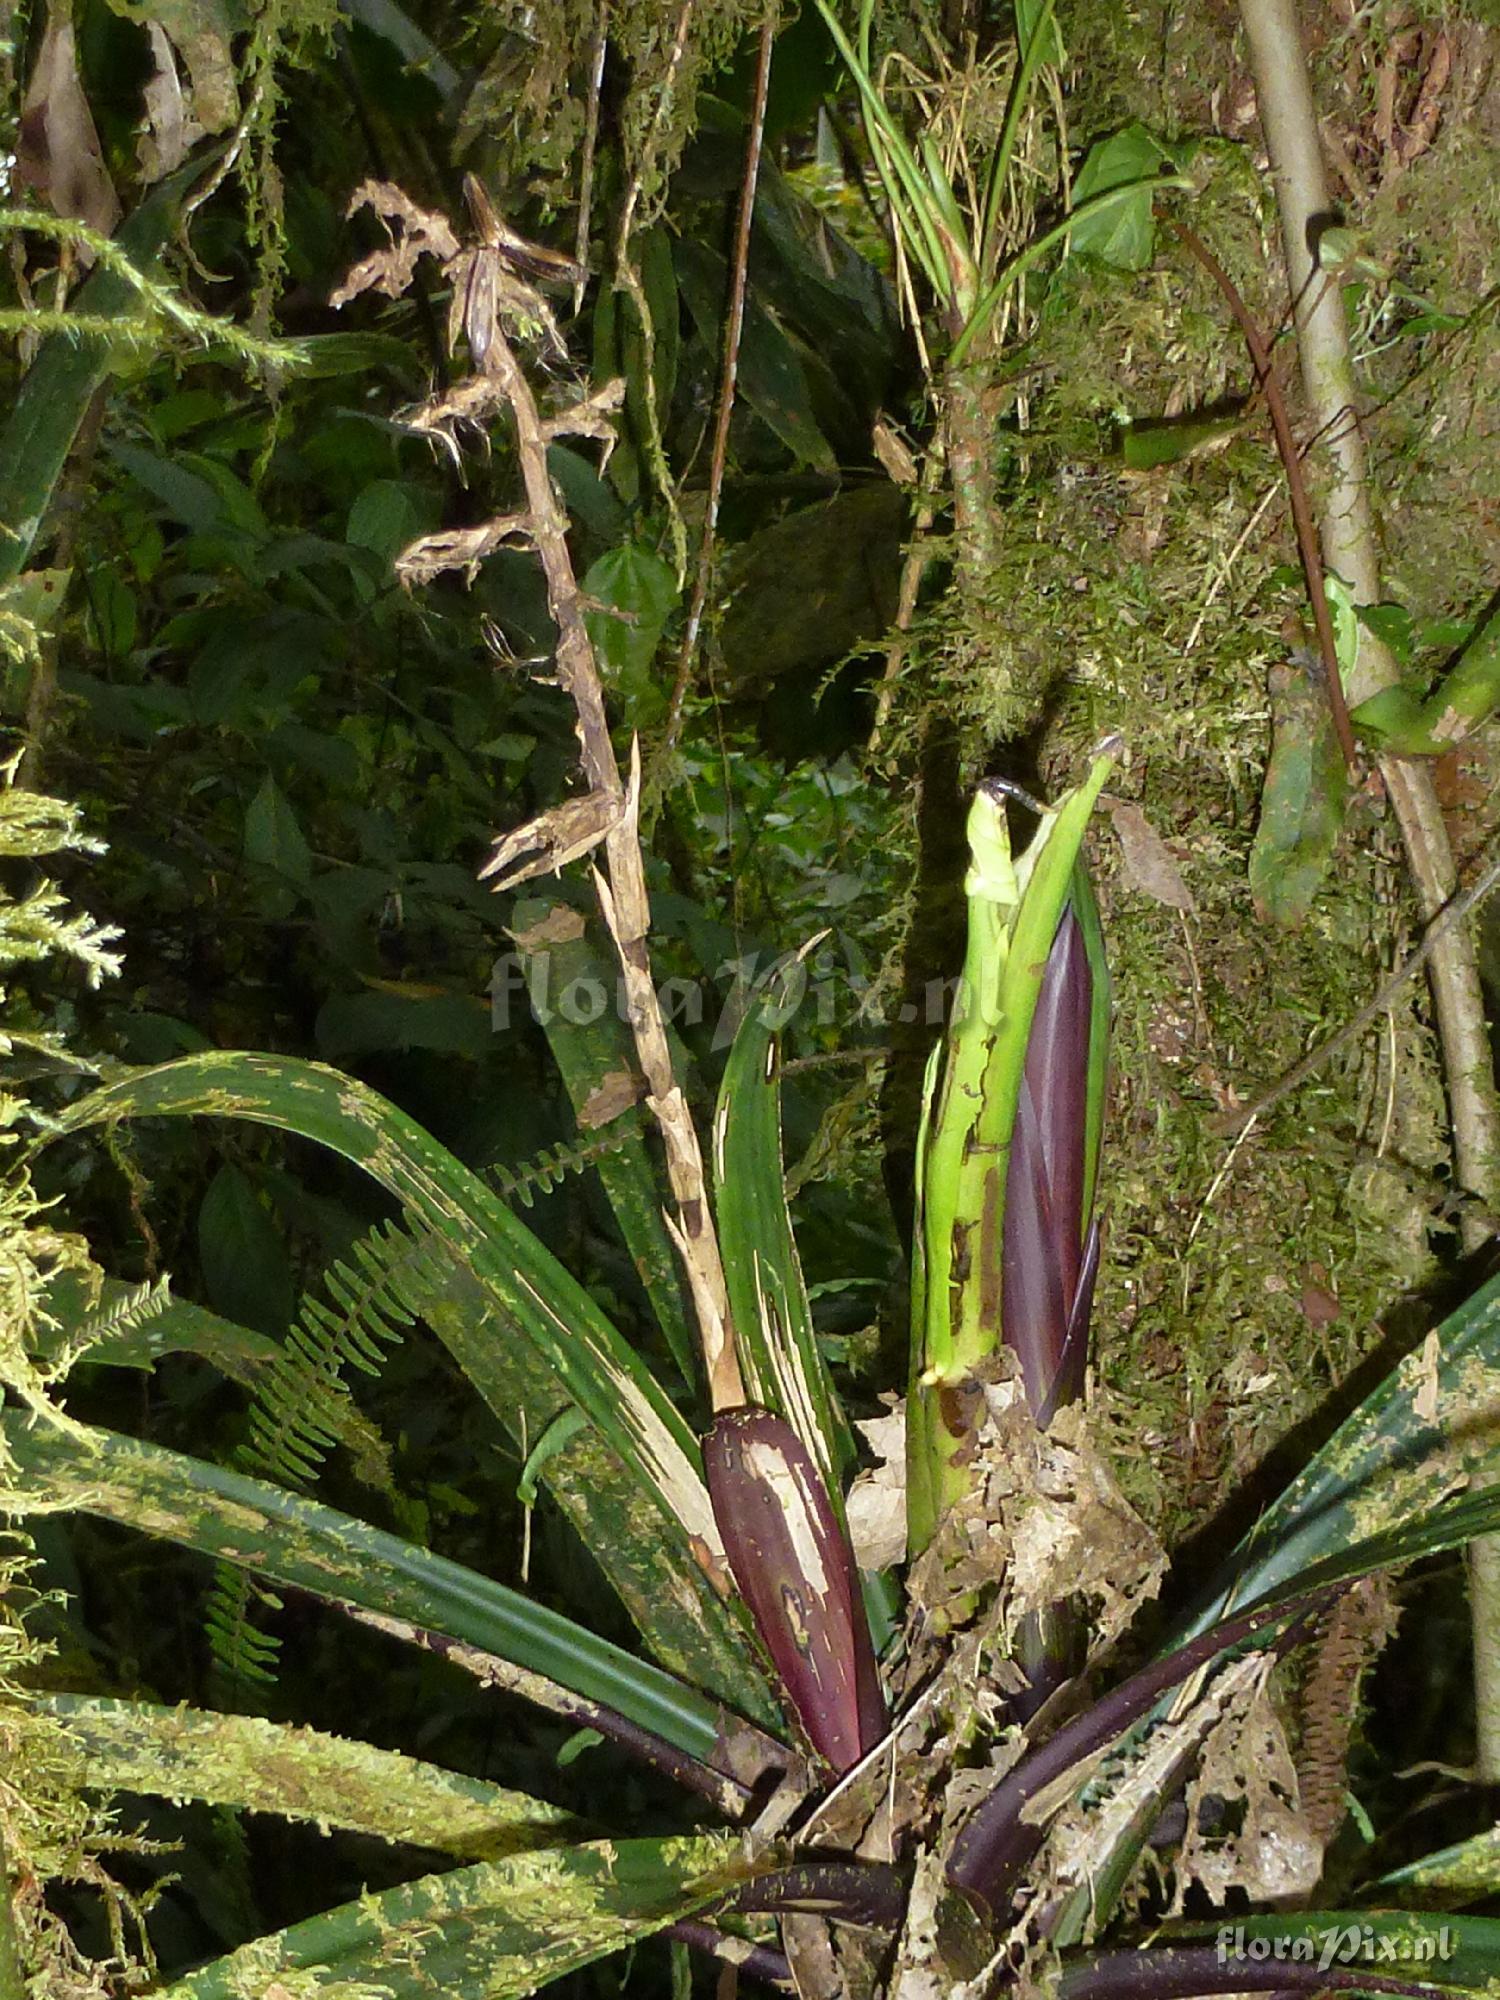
column 949, row 1818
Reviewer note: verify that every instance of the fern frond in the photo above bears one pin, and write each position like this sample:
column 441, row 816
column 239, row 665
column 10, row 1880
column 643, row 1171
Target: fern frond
column 244, row 1655
column 130, row 1312
column 302, row 1409
column 554, row 1164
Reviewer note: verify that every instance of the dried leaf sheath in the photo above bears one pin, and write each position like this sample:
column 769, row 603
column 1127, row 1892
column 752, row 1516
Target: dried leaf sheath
column 795, row 1570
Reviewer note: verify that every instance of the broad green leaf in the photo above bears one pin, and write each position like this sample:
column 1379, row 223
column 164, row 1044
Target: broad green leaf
column 188, row 498
column 598, row 1064
column 60, row 383
column 385, row 518
column 291, row 1540
column 635, row 592
column 273, row 835
column 126, row 1329
column 1301, row 801
column 783, row 1366
column 273, row 1767
column 1124, row 234
column 1396, row 720
column 527, row 1335
column 1166, row 442
column 496, row 1929
column 243, row 1255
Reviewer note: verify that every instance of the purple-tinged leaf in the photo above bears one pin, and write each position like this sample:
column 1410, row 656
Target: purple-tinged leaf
column 1067, row 1384
column 1173, row 1972
column 1057, row 1071
column 796, row 1572
column 1046, row 1175
column 997, row 1840
column 1033, row 1303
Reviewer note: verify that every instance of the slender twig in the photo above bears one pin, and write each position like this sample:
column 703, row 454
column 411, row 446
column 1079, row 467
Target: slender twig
column 729, row 366
column 597, row 50
column 1296, row 485
column 913, row 569
column 1233, row 1122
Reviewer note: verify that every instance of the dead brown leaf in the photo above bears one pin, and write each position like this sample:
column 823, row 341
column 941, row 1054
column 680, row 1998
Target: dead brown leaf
column 614, row 1094
column 546, row 844
column 57, row 150
column 1150, row 865
column 877, row 1500
column 460, row 548
column 414, row 231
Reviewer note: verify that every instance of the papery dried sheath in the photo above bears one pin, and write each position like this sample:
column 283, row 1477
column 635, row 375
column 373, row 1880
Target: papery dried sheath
column 796, row 1572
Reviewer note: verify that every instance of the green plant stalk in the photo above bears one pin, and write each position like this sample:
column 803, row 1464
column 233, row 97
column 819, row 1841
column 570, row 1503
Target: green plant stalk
column 1014, row 911
column 967, row 436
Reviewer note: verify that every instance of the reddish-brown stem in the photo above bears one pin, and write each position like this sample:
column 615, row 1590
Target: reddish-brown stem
column 1291, row 464
column 734, row 322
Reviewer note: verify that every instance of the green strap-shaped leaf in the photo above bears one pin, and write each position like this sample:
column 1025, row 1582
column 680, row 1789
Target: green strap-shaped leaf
column 597, row 1061
column 526, row 1334
column 486, row 1932
column 1463, row 1873
column 1373, row 1497
column 274, row 1767
column 783, row 1367
column 1430, row 1427
column 295, row 1541
column 60, row 382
